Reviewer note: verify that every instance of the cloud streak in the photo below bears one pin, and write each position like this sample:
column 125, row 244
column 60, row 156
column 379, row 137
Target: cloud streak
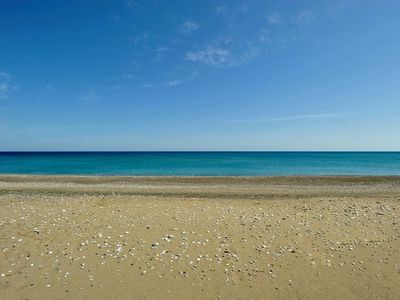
column 264, row 35
column 5, row 84
column 90, row 97
column 217, row 56
column 274, row 18
column 304, row 17
column 131, row 4
column 231, row 12
column 287, row 118
column 58, row 128
column 211, row 55
column 173, row 83
column 189, row 26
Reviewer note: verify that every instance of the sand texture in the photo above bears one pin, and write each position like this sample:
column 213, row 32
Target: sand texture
column 199, row 238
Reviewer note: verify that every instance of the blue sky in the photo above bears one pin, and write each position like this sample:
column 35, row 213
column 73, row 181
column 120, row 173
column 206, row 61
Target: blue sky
column 199, row 75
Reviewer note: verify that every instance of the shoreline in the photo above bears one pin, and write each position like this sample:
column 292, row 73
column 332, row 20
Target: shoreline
column 220, row 187
column 270, row 179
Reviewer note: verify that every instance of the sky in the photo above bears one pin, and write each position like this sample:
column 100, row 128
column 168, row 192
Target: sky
column 164, row 75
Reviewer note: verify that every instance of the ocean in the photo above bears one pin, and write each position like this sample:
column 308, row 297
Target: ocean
column 201, row 163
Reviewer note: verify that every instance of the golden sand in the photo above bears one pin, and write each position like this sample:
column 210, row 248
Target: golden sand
column 183, row 238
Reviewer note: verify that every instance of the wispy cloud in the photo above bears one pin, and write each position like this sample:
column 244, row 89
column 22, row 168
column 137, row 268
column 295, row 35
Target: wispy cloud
column 5, row 84
column 231, row 12
column 4, row 128
column 128, row 76
column 161, row 49
column 274, row 18
column 58, row 128
column 114, row 87
column 227, row 56
column 264, row 35
column 304, row 17
column 229, row 51
column 50, row 87
column 173, row 83
column 211, row 55
column 148, row 85
column 189, row 27
column 170, row 83
column 106, row 142
column 287, row 118
column 221, row 10
column 116, row 18
column 250, row 52
column 123, row 78
column 139, row 39
column 131, row 3
column 90, row 97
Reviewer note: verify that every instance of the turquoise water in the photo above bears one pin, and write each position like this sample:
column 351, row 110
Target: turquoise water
column 201, row 163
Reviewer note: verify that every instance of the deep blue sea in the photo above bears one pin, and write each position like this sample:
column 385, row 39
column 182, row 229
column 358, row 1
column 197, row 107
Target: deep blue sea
column 201, row 163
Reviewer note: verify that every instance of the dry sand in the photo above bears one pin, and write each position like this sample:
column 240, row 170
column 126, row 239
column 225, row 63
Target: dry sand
column 180, row 238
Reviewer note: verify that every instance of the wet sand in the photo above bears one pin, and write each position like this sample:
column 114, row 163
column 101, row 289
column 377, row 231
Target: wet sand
column 199, row 237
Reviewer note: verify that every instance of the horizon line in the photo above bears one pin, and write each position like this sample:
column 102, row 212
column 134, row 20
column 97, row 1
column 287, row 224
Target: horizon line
column 175, row 151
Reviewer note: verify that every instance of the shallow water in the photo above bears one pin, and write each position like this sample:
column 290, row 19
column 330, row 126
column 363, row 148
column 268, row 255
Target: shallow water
column 201, row 163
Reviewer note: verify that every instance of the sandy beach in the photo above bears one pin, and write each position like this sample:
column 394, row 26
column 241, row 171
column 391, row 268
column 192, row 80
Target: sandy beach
column 199, row 237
